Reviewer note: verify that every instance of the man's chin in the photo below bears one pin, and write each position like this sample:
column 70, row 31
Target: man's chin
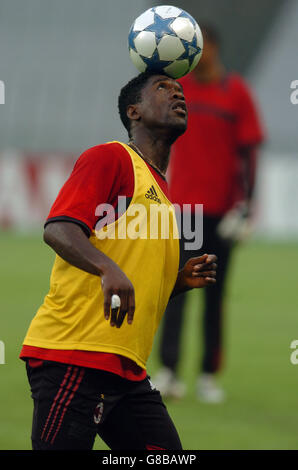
column 174, row 128
column 179, row 126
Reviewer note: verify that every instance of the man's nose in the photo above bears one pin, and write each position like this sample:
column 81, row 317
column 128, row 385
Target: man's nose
column 178, row 95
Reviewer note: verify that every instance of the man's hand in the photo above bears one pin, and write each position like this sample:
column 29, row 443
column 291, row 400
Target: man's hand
column 236, row 225
column 196, row 273
column 199, row 272
column 114, row 281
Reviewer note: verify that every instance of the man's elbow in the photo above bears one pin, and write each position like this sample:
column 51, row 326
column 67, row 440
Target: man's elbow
column 48, row 235
column 62, row 235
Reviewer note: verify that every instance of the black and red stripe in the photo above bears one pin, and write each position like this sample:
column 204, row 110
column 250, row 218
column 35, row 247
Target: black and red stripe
column 70, row 383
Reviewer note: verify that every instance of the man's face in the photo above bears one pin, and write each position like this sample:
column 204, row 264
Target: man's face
column 163, row 104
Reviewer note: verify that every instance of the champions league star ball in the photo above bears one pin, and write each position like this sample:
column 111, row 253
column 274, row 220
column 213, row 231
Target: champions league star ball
column 166, row 40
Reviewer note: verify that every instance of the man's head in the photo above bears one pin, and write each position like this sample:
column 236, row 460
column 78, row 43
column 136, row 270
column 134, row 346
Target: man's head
column 211, row 46
column 155, row 102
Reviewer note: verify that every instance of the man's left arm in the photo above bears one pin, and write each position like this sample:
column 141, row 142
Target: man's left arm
column 237, row 224
column 248, row 158
column 197, row 273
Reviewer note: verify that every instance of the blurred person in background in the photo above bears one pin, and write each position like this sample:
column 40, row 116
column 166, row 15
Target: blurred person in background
column 214, row 164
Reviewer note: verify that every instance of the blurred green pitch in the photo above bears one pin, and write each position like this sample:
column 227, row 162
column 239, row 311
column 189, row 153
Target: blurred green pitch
column 261, row 411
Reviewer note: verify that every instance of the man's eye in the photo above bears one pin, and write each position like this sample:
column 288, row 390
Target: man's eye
column 161, row 85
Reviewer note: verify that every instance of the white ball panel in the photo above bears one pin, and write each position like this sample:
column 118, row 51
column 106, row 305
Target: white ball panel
column 145, row 43
column 178, row 68
column 195, row 61
column 167, row 11
column 199, row 35
column 137, row 61
column 183, row 28
column 144, row 20
column 170, row 48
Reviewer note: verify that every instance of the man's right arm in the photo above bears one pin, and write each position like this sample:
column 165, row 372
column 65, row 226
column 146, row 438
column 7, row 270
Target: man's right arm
column 70, row 242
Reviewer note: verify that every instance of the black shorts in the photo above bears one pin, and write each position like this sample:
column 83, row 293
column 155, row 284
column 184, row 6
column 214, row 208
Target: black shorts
column 72, row 404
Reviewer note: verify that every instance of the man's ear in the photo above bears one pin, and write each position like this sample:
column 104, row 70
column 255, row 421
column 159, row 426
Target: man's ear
column 132, row 112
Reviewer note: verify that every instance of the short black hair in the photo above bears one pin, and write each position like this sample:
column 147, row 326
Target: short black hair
column 131, row 94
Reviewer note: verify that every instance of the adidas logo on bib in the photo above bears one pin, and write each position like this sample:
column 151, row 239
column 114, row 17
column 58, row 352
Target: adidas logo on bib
column 152, row 194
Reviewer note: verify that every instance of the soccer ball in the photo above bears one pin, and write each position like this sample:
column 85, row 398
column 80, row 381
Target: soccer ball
column 166, row 40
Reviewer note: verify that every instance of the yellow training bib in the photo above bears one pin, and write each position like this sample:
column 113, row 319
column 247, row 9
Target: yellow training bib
column 143, row 242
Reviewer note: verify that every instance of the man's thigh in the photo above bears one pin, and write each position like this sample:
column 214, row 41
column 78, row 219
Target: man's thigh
column 63, row 416
column 140, row 420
